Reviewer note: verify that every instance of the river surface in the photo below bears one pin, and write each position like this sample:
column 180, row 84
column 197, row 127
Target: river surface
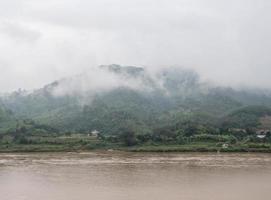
column 135, row 176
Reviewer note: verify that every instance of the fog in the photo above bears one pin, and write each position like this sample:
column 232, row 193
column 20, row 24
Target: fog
column 227, row 42
column 101, row 79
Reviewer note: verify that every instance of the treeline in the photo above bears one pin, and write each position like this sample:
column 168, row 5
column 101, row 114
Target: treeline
column 187, row 135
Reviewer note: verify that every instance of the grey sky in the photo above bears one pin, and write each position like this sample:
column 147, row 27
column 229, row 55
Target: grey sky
column 227, row 41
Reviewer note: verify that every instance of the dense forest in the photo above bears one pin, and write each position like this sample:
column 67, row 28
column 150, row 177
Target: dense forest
column 171, row 107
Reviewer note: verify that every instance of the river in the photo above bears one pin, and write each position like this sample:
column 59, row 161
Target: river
column 134, row 176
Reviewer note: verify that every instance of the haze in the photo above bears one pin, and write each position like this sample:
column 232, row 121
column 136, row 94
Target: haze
column 227, row 41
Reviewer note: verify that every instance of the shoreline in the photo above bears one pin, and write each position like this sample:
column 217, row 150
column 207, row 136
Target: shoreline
column 152, row 149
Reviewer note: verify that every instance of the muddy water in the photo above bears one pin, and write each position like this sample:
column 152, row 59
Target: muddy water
column 135, row 176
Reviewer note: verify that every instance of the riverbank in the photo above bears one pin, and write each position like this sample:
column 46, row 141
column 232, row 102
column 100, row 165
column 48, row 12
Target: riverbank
column 263, row 148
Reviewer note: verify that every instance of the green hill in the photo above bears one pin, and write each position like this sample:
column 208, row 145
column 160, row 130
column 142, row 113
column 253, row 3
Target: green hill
column 7, row 119
column 142, row 101
column 246, row 117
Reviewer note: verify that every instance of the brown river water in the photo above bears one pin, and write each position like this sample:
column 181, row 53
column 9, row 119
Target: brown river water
column 135, row 176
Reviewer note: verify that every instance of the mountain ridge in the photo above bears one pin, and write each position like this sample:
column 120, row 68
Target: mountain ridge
column 133, row 97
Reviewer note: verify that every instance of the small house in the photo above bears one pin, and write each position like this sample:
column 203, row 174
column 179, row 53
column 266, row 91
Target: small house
column 262, row 133
column 95, row 133
column 225, row 146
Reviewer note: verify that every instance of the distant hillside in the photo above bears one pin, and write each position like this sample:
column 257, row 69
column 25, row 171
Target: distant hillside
column 132, row 97
column 247, row 117
column 7, row 120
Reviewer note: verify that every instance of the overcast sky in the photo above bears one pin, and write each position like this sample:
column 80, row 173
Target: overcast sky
column 227, row 41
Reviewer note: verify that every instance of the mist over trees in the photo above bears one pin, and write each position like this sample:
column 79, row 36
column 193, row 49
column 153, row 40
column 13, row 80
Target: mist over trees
column 170, row 107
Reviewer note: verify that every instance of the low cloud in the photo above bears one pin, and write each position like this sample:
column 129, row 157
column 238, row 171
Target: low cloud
column 226, row 42
column 100, row 80
column 18, row 33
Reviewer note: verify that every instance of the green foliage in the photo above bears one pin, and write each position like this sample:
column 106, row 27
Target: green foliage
column 128, row 137
column 7, row 120
column 180, row 112
column 247, row 117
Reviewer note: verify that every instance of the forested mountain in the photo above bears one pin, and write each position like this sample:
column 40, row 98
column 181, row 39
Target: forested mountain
column 7, row 119
column 118, row 97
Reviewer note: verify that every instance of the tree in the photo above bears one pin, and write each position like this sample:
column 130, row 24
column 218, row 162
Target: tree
column 128, row 137
column 142, row 138
column 190, row 129
column 164, row 134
